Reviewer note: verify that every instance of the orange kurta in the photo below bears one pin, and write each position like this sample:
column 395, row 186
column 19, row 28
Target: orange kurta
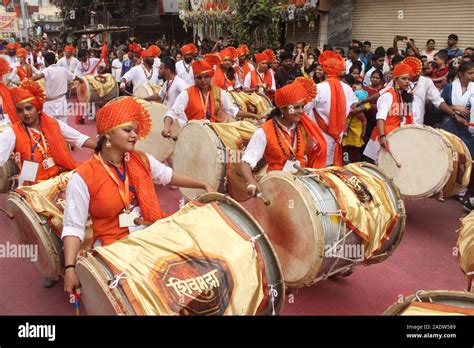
column 195, row 108
column 255, row 80
column 23, row 147
column 274, row 155
column 393, row 120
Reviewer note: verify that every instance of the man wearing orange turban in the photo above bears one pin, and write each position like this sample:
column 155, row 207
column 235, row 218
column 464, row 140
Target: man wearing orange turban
column 203, row 101
column 393, row 110
column 142, row 74
column 12, row 79
column 332, row 105
column 184, row 67
column 284, row 140
column 23, row 69
column 69, row 61
column 225, row 76
column 243, row 67
column 262, row 79
column 116, row 186
column 39, row 138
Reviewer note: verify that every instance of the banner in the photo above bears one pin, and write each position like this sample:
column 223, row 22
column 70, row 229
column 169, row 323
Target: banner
column 8, row 22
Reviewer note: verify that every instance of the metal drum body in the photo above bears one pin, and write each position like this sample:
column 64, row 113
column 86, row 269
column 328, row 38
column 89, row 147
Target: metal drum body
column 95, row 274
column 87, row 94
column 300, row 221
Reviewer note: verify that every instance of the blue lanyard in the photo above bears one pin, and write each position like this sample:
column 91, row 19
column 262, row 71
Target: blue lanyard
column 123, row 176
column 292, row 140
column 33, row 147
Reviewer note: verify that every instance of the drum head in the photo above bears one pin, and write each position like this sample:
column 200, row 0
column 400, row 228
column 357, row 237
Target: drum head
column 426, row 161
column 155, row 144
column 200, row 154
column 98, row 298
column 30, row 230
column 290, row 223
column 145, row 91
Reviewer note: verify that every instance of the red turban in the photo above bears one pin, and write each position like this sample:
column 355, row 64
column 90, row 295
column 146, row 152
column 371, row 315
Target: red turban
column 301, row 90
column 228, row 52
column 189, row 49
column 29, row 91
column 415, row 64
column 155, row 51
column 21, row 53
column 242, row 50
column 201, row 67
column 402, row 69
column 69, row 49
column 332, row 63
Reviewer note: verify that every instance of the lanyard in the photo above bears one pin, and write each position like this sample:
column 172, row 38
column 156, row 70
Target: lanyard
column 123, row 191
column 292, row 146
column 168, row 87
column 43, row 149
column 187, row 68
column 206, row 104
column 260, row 77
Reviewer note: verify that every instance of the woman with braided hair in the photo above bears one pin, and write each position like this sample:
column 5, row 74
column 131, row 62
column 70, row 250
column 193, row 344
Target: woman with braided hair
column 289, row 137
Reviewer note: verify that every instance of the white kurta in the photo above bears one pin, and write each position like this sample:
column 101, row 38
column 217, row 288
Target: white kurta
column 248, row 82
column 177, row 111
column 137, row 76
column 185, row 71
column 171, row 90
column 86, row 68
column 322, row 104
column 76, row 211
column 69, row 64
column 8, row 140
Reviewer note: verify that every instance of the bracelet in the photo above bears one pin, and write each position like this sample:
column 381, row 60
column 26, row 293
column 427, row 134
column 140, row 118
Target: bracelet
column 68, row 266
column 251, row 186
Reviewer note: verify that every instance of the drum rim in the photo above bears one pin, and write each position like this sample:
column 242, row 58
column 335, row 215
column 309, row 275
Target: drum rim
column 215, row 196
column 317, row 228
column 33, row 219
column 97, row 270
column 445, row 143
column 214, row 138
column 7, row 185
column 397, row 308
column 148, row 88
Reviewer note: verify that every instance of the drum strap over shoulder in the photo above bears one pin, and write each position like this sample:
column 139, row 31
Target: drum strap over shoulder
column 216, row 93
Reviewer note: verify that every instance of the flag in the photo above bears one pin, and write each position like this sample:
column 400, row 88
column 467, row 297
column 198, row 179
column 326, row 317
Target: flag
column 5, row 3
column 17, row 10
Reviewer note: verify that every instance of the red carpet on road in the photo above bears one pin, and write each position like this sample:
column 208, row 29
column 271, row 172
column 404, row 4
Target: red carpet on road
column 424, row 261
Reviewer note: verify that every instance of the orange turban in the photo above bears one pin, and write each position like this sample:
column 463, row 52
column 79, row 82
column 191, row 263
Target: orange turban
column 147, row 53
column 228, row 52
column 189, row 49
column 8, row 105
column 301, row 90
column 121, row 112
column 332, row 63
column 201, row 67
column 29, row 91
column 70, row 49
column 21, row 53
column 415, row 64
column 402, row 69
column 155, row 51
column 267, row 56
column 242, row 50
column 13, row 46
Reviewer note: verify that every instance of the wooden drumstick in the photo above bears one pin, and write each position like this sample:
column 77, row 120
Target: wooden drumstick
column 7, row 213
column 393, row 157
column 264, row 200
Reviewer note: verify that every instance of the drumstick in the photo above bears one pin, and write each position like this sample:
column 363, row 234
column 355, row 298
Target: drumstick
column 393, row 157
column 264, row 200
column 127, row 92
column 7, row 213
column 77, row 303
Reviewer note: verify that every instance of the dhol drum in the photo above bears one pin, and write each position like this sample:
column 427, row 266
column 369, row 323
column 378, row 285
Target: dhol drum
column 155, row 144
column 145, row 91
column 98, row 89
column 437, row 302
column 7, row 172
column 36, row 214
column 431, row 162
column 253, row 102
column 209, row 258
column 211, row 152
column 325, row 222
column 465, row 246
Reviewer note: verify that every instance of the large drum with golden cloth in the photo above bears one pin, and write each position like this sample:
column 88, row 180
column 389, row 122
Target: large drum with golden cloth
column 211, row 152
column 434, row 303
column 253, row 102
column 325, row 222
column 98, row 89
column 145, row 91
column 209, row 258
column 7, row 171
column 155, row 144
column 432, row 162
column 37, row 219
column 466, row 249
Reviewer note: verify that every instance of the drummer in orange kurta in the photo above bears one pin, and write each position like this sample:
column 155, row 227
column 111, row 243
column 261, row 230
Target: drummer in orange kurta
column 203, row 101
column 116, row 186
column 225, row 76
column 290, row 137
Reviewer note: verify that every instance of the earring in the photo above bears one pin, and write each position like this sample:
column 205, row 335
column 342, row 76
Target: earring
column 107, row 143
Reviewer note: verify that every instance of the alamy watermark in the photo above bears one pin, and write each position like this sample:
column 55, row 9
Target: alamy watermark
column 346, row 251
column 20, row 251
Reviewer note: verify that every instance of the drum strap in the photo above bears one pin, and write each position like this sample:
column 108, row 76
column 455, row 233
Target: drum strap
column 216, row 93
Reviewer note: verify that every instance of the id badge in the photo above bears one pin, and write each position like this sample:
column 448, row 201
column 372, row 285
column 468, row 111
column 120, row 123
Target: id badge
column 289, row 166
column 29, row 170
column 128, row 219
column 48, row 163
column 230, row 88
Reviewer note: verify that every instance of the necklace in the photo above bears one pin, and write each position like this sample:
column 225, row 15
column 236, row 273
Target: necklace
column 88, row 65
column 187, row 67
column 298, row 141
column 147, row 75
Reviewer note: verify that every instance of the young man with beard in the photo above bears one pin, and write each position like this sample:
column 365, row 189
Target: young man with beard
column 243, row 67
column 142, row 74
column 184, row 67
column 11, row 58
column 286, row 73
column 69, row 61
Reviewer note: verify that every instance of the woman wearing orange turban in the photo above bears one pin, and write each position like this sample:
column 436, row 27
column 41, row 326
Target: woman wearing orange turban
column 289, row 137
column 116, row 186
column 39, row 138
column 225, row 76
column 393, row 110
column 24, row 70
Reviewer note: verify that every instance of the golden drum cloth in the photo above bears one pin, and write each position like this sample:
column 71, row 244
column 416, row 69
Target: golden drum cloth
column 235, row 136
column 252, row 102
column 426, row 308
column 101, row 84
column 48, row 199
column 365, row 204
column 193, row 262
column 466, row 246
